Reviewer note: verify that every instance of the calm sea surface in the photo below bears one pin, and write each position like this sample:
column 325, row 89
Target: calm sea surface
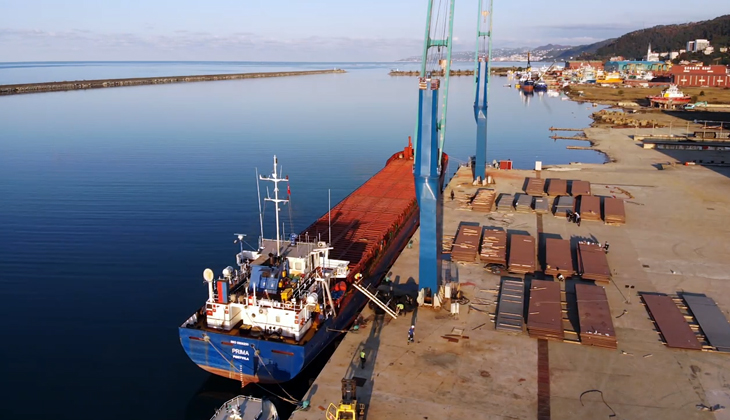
column 113, row 201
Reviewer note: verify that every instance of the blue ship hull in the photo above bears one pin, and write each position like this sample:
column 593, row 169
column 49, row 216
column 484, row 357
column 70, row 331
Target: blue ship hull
column 250, row 359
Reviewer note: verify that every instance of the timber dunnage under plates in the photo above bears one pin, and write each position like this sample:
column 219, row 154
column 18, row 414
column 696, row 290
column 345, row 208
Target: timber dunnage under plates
column 670, row 322
column 466, row 243
column 493, row 249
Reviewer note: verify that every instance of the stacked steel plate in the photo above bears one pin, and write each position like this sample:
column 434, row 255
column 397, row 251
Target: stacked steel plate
column 535, row 186
column 494, row 246
column 521, row 254
column 558, row 258
column 484, row 200
column 557, row 187
column 592, row 263
column 564, row 205
column 524, row 204
column 580, row 188
column 511, row 306
column 541, row 205
column 545, row 314
column 670, row 322
column 466, row 243
column 712, row 321
column 613, row 211
column 590, row 208
column 594, row 314
column 505, row 202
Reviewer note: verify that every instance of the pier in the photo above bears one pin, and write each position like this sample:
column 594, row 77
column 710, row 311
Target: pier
column 142, row 81
column 460, row 367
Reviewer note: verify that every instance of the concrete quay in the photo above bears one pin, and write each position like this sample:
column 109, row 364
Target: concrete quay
column 141, row 81
column 676, row 239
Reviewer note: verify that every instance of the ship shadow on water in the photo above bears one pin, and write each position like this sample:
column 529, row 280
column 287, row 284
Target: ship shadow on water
column 216, row 390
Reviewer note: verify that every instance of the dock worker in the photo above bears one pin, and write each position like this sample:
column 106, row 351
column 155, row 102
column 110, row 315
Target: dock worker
column 605, row 247
column 577, row 218
column 358, row 276
column 452, row 195
column 561, row 277
column 362, row 359
column 410, row 334
column 399, row 308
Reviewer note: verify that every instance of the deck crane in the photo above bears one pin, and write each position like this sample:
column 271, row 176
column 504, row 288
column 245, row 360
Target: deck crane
column 430, row 134
column 482, row 62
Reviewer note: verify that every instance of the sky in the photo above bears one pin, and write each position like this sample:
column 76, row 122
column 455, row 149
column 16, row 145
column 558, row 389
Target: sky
column 307, row 30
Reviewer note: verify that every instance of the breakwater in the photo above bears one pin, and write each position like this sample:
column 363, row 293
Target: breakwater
column 141, row 81
column 496, row 71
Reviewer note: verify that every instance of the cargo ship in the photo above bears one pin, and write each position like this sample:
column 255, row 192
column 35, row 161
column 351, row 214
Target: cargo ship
column 288, row 300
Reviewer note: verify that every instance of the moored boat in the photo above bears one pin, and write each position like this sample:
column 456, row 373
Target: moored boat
column 669, row 97
column 244, row 407
column 288, row 300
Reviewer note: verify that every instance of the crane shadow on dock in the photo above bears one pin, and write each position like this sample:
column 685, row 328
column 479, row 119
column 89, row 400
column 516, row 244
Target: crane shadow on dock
column 365, row 377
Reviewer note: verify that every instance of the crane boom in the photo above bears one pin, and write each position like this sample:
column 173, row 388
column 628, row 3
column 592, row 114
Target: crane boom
column 482, row 60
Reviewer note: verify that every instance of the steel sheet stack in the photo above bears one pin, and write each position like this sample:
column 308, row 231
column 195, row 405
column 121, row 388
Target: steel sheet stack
column 511, row 306
column 580, row 188
column 484, row 200
column 524, row 204
column 613, row 211
column 558, row 258
column 541, row 205
column 466, row 243
column 711, row 319
column 545, row 315
column 564, row 205
column 505, row 202
column 592, row 263
column 670, row 322
column 590, row 208
column 557, row 187
column 535, row 186
column 494, row 246
column 521, row 254
column 594, row 314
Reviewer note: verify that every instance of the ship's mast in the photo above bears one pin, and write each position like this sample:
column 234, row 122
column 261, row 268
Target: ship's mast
column 276, row 200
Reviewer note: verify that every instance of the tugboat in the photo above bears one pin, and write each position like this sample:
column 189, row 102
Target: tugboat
column 669, row 98
column 244, row 407
column 541, row 86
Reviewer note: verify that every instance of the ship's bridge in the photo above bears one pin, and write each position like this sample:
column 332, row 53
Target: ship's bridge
column 302, row 257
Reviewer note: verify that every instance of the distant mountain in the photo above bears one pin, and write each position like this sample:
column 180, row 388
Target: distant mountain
column 580, row 51
column 665, row 38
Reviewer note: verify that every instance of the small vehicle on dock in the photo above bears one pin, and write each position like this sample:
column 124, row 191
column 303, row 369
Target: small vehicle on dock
column 349, row 408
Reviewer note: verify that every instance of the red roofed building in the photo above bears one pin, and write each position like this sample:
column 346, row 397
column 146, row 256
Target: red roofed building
column 710, row 76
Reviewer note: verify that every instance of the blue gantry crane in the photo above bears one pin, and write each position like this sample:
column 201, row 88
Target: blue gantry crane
column 430, row 135
column 482, row 66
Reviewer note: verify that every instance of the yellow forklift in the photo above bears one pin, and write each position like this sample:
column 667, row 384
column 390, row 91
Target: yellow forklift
column 349, row 409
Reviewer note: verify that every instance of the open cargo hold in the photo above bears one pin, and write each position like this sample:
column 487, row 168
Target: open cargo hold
column 524, row 204
column 545, row 314
column 592, row 263
column 558, row 257
column 580, row 188
column 670, row 322
column 466, row 243
column 564, row 205
column 535, row 186
column 511, row 306
column 493, row 249
column 712, row 321
column 521, row 254
column 556, row 187
column 594, row 314
column 483, row 200
column 505, row 202
column 614, row 212
column 590, row 208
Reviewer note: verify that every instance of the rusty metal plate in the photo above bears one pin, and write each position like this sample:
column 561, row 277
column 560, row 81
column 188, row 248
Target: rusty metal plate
column 671, row 322
column 580, row 188
column 592, row 263
column 557, row 187
column 521, row 254
column 594, row 314
column 614, row 212
column 713, row 323
column 558, row 258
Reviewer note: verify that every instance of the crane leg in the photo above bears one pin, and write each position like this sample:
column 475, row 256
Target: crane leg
column 428, row 188
column 480, row 162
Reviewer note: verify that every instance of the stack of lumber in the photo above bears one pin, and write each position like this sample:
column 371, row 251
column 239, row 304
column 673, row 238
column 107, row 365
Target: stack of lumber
column 447, row 242
column 494, row 246
column 613, row 211
column 557, row 187
column 541, row 205
column 564, row 205
column 545, row 314
column 466, row 243
column 484, row 200
column 505, row 202
column 524, row 204
column 590, row 208
column 580, row 188
column 535, row 186
column 592, row 263
column 511, row 306
column 521, row 254
column 594, row 314
column 558, row 258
